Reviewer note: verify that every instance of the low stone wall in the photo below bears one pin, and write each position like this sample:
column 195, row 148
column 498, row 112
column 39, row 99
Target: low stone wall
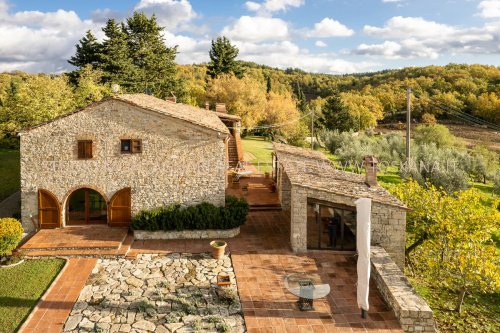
column 410, row 309
column 187, row 234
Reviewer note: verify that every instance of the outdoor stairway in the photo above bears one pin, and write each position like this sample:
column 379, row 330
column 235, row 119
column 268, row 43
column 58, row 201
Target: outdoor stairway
column 232, row 152
column 79, row 243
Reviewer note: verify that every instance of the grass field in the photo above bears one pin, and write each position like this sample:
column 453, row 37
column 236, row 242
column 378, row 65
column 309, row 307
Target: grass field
column 479, row 311
column 21, row 287
column 9, row 172
column 258, row 152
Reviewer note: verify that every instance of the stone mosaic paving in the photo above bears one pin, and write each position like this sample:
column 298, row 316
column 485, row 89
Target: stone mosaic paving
column 158, row 293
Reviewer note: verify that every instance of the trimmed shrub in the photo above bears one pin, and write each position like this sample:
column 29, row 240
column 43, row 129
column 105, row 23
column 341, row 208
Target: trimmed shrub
column 11, row 233
column 199, row 217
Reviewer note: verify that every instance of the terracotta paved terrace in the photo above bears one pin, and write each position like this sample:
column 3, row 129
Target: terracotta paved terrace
column 259, row 193
column 92, row 236
column 262, row 259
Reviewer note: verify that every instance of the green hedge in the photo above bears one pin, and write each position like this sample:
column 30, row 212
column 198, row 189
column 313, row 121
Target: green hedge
column 200, row 217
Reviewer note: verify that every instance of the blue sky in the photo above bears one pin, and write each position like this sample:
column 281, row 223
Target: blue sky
column 331, row 36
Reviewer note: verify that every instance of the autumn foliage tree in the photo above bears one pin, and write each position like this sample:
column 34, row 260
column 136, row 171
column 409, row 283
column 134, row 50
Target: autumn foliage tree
column 243, row 97
column 450, row 237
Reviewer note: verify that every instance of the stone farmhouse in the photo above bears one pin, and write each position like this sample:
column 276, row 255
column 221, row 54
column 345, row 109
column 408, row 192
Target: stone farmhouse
column 105, row 162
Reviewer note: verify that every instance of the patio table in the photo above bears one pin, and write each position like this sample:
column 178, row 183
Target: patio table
column 307, row 287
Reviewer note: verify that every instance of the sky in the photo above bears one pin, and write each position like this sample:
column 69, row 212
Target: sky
column 326, row 36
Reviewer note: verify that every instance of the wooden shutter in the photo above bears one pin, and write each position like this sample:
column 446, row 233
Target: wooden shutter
column 49, row 210
column 136, row 146
column 85, row 149
column 120, row 209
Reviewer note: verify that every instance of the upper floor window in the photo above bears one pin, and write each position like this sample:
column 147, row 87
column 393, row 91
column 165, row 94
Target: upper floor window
column 85, row 149
column 131, row 146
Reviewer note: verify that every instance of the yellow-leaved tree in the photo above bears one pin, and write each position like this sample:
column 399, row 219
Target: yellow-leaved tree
column 450, row 237
column 245, row 97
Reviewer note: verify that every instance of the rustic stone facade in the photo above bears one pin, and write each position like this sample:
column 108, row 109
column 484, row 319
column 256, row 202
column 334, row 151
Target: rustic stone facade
column 388, row 223
column 303, row 175
column 180, row 162
column 413, row 313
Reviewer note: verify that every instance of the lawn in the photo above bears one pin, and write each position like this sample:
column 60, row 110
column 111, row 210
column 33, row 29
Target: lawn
column 9, row 172
column 258, row 152
column 21, row 287
column 479, row 311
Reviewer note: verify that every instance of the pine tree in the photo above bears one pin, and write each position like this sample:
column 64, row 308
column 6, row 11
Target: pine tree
column 335, row 114
column 154, row 61
column 223, row 58
column 87, row 51
column 117, row 64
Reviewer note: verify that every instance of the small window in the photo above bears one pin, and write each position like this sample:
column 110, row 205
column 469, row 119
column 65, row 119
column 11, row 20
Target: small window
column 85, row 149
column 130, row 146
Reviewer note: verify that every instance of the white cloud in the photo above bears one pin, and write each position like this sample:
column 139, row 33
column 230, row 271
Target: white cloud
column 39, row 41
column 286, row 54
column 391, row 1
column 400, row 27
column 171, row 14
column 256, row 28
column 411, row 37
column 489, row 8
column 320, row 43
column 329, row 28
column 190, row 50
column 270, row 6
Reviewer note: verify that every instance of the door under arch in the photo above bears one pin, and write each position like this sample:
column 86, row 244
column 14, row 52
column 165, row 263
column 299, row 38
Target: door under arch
column 120, row 208
column 49, row 210
column 86, row 206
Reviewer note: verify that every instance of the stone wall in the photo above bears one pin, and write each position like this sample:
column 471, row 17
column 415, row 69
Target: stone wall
column 410, row 309
column 188, row 234
column 284, row 189
column 180, row 162
column 388, row 222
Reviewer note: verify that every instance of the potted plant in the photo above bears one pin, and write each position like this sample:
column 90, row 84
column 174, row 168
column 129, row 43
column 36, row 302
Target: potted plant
column 218, row 247
column 272, row 186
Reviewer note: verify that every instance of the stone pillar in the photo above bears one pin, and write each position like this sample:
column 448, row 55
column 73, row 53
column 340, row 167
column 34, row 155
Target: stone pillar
column 298, row 219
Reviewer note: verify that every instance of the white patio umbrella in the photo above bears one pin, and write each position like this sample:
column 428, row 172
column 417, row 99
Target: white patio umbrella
column 363, row 228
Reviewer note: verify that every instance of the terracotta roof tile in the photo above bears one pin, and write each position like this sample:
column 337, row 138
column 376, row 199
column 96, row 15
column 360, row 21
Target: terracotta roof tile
column 314, row 170
column 185, row 112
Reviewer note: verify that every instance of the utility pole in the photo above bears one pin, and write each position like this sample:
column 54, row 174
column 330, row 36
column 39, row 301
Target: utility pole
column 312, row 129
column 408, row 122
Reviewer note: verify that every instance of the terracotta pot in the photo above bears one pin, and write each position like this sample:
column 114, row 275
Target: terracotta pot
column 218, row 248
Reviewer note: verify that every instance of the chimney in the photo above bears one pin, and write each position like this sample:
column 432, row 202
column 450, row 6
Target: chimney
column 171, row 98
column 207, row 106
column 371, row 171
column 220, row 107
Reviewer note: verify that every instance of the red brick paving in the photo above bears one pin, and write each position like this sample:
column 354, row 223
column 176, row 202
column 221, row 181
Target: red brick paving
column 91, row 236
column 50, row 314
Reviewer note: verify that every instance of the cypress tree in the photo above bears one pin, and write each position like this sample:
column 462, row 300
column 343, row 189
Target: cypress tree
column 223, row 58
column 87, row 51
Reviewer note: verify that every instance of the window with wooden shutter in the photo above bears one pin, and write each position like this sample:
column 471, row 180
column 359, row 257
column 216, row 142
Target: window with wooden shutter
column 85, row 149
column 131, row 146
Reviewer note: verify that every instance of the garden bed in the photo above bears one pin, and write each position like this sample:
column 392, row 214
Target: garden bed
column 187, row 234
